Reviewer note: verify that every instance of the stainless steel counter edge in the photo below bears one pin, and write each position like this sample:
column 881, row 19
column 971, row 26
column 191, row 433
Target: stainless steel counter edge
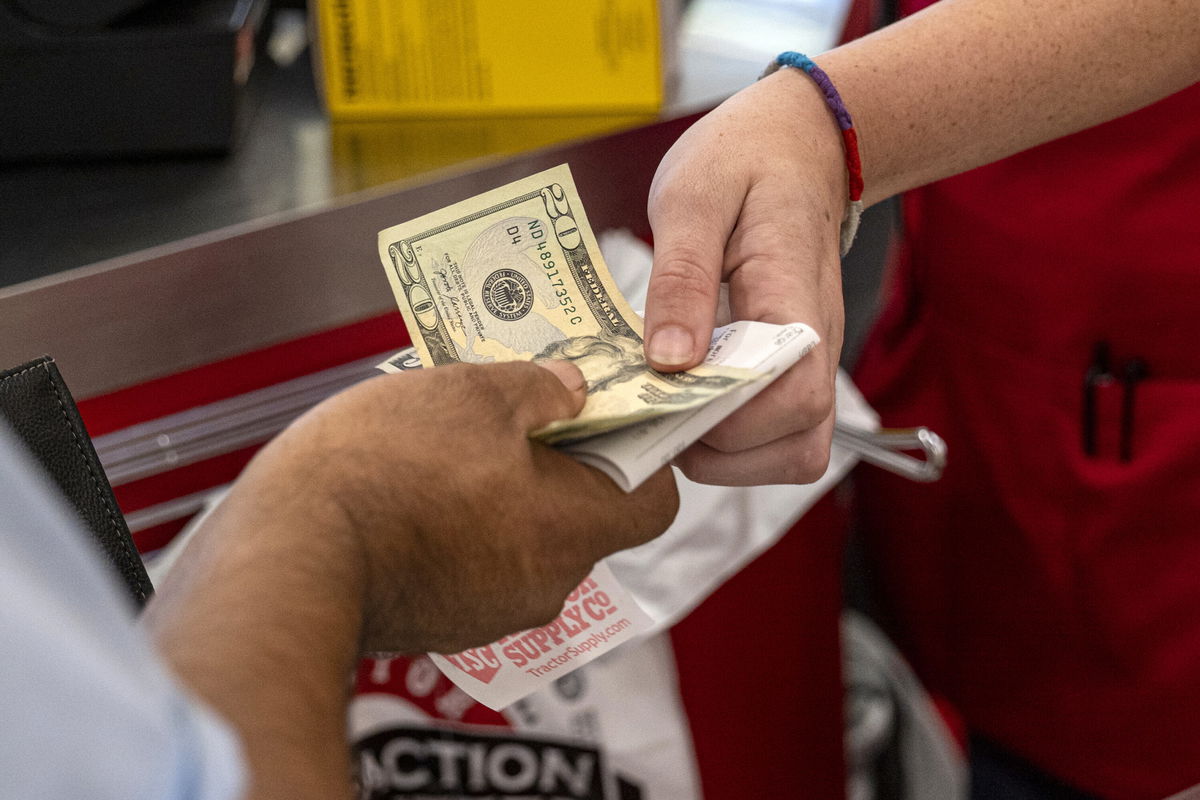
column 127, row 320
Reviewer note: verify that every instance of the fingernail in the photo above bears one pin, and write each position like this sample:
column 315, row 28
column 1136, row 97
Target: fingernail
column 566, row 372
column 670, row 346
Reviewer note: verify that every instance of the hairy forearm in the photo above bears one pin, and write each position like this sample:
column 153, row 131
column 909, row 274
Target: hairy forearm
column 267, row 632
column 371, row 524
column 966, row 82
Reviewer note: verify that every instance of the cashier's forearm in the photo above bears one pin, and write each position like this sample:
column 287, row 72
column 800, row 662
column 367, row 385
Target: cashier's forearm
column 966, row 82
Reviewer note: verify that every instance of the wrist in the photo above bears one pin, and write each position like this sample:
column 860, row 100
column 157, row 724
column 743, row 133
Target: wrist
column 307, row 522
column 788, row 113
column 791, row 62
column 258, row 612
column 324, row 496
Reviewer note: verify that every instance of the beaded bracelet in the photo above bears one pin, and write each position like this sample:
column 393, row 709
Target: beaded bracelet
column 854, row 208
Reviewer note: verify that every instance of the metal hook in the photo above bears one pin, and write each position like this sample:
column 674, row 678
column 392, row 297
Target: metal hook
column 883, row 448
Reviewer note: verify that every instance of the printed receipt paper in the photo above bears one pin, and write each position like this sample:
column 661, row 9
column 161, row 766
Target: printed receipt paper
column 516, row 274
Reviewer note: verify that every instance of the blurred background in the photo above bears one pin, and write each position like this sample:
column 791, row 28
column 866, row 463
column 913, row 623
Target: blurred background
column 129, row 124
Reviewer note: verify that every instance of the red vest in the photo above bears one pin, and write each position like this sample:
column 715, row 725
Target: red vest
column 1049, row 585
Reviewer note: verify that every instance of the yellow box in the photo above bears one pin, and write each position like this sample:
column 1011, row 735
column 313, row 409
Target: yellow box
column 420, row 58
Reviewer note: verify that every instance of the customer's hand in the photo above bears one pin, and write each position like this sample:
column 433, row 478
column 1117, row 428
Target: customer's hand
column 466, row 529
column 753, row 195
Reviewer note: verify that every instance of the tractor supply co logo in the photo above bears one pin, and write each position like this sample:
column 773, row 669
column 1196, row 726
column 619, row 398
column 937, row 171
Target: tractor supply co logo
column 478, row 662
column 403, row 763
column 507, row 295
column 578, row 629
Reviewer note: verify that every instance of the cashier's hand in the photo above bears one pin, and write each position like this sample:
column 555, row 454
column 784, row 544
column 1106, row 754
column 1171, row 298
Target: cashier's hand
column 465, row 529
column 753, row 195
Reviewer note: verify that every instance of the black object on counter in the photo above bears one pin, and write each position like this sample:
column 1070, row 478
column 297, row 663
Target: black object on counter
column 122, row 77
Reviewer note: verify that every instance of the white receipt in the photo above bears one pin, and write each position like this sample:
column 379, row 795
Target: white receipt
column 634, row 453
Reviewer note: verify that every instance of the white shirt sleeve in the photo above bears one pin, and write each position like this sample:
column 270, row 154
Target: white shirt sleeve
column 87, row 709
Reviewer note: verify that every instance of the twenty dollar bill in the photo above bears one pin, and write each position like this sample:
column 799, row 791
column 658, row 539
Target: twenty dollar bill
column 516, row 274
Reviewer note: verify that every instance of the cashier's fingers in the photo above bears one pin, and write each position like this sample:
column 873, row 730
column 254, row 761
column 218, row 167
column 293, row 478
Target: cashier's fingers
column 799, row 400
column 799, row 458
column 692, row 210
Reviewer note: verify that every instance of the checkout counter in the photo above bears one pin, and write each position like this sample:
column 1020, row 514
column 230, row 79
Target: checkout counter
column 195, row 305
